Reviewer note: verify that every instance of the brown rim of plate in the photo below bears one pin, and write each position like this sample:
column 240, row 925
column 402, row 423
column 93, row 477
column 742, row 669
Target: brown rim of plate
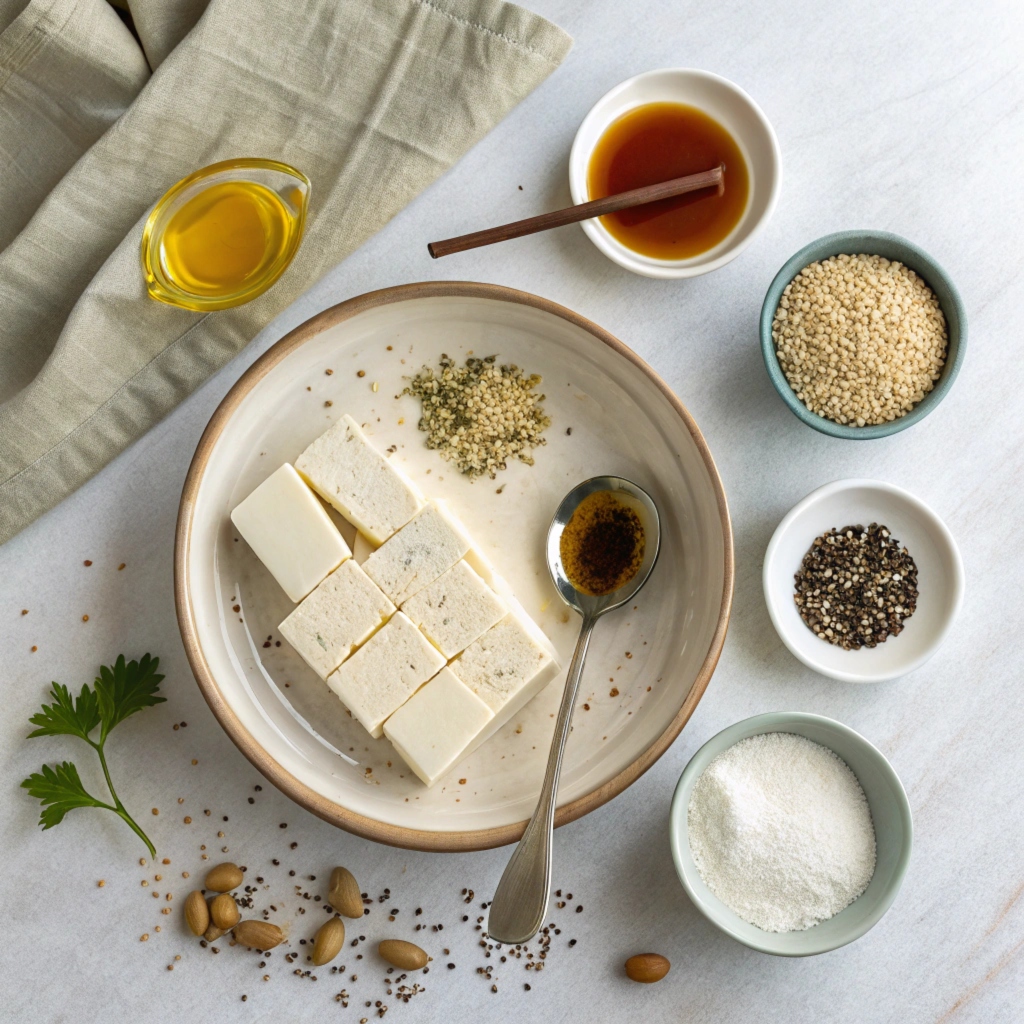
column 369, row 828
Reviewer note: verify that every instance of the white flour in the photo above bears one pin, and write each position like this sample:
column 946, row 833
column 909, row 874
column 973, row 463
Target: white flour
column 781, row 832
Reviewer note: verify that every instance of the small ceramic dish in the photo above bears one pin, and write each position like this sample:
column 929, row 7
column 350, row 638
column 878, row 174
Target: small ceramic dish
column 890, row 814
column 735, row 111
column 917, row 528
column 892, row 247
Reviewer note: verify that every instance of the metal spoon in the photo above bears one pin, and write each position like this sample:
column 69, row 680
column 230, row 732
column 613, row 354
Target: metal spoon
column 519, row 905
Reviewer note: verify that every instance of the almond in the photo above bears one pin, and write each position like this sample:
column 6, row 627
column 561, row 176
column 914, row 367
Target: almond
column 407, row 956
column 212, row 933
column 344, row 893
column 224, row 911
column 258, row 934
column 328, row 942
column 223, row 878
column 197, row 915
column 647, row 968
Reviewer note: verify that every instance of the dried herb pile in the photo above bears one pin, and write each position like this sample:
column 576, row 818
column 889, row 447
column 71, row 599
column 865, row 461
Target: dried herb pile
column 480, row 415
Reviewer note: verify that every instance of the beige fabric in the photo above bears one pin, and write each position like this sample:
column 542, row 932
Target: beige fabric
column 68, row 70
column 162, row 24
column 9, row 10
column 372, row 99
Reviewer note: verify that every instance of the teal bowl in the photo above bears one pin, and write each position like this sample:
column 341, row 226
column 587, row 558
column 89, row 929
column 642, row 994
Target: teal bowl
column 891, row 247
column 890, row 813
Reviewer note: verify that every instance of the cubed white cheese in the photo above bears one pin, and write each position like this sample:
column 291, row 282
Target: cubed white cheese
column 481, row 565
column 427, row 546
column 290, row 532
column 362, row 548
column 346, row 470
column 385, row 672
column 338, row 616
column 506, row 667
column 455, row 609
column 434, row 728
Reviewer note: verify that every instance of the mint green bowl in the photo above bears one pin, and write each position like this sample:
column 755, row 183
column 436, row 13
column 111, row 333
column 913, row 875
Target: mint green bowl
column 891, row 247
column 890, row 813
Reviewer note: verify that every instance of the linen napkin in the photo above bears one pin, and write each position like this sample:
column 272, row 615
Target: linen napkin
column 371, row 99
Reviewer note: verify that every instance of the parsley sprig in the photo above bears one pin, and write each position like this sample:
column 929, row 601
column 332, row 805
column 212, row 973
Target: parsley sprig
column 119, row 691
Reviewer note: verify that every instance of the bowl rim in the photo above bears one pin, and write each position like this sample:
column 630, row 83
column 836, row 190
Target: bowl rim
column 834, row 244
column 920, row 510
column 777, row 721
column 668, row 269
column 350, row 821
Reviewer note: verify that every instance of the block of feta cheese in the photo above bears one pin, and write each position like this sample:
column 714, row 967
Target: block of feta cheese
column 338, row 616
column 506, row 668
column 362, row 548
column 427, row 546
column 434, row 728
column 345, row 469
column 455, row 609
column 290, row 532
column 385, row 672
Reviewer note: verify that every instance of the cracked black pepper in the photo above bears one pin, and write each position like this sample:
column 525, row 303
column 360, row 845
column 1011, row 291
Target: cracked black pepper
column 856, row 587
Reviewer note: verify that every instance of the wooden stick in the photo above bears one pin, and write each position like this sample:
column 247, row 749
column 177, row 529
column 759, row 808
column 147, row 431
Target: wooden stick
column 712, row 178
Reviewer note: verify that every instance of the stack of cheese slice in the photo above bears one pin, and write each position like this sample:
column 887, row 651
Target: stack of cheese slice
column 423, row 642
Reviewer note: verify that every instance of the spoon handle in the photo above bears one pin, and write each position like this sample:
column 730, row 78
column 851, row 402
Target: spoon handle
column 518, row 908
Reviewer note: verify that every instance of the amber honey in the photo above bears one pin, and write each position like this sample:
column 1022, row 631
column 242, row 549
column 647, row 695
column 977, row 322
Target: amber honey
column 656, row 142
column 224, row 237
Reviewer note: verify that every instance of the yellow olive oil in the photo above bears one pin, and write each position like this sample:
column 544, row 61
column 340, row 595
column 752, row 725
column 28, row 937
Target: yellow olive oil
column 225, row 238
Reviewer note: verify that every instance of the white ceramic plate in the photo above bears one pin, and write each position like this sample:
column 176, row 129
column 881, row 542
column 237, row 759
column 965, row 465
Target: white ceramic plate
column 940, row 578
column 728, row 104
column 610, row 414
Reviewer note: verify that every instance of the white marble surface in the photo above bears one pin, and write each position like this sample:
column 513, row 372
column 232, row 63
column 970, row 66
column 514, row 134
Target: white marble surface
column 906, row 117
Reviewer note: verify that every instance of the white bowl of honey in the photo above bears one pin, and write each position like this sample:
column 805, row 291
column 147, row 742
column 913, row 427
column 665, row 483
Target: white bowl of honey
column 224, row 234
column 666, row 124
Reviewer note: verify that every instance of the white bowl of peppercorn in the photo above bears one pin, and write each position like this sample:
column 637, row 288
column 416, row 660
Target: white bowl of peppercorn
column 863, row 581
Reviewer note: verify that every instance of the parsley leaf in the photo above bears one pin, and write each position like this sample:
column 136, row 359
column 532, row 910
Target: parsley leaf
column 122, row 689
column 66, row 716
column 60, row 790
column 119, row 691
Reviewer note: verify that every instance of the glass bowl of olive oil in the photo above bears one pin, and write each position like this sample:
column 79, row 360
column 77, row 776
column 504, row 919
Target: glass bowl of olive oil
column 224, row 234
